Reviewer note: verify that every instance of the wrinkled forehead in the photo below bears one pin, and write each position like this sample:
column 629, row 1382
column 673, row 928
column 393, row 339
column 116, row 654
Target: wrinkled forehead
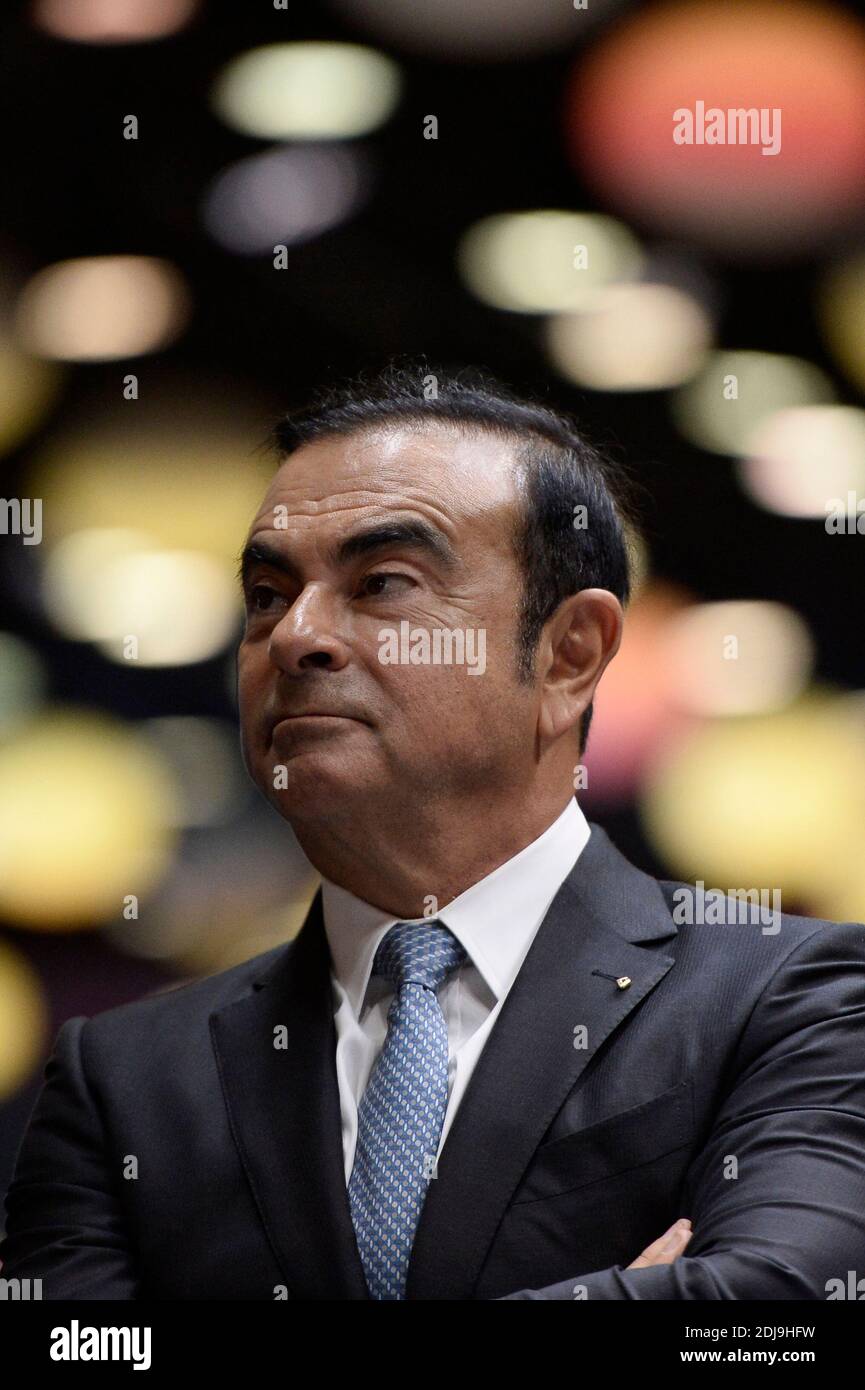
column 465, row 476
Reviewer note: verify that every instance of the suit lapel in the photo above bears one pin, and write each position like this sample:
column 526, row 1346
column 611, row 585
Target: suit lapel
column 606, row 917
column 283, row 1103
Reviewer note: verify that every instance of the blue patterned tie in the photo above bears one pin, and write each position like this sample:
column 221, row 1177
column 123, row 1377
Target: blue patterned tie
column 400, row 1117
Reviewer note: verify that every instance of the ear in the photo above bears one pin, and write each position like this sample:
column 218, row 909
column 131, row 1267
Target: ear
column 578, row 641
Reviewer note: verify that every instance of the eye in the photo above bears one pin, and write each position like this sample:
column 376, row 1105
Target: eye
column 259, row 598
column 375, row 585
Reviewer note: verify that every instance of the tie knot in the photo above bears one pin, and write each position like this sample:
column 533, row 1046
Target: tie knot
column 423, row 953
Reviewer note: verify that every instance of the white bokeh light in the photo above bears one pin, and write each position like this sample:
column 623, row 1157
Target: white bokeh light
column 307, row 91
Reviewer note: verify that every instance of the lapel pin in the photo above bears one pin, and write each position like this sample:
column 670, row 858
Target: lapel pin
column 621, row 981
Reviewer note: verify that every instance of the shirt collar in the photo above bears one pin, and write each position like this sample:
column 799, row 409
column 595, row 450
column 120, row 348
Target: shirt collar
column 495, row 919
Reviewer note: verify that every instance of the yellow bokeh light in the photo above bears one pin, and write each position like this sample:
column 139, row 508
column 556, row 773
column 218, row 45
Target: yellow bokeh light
column 28, row 388
column 165, row 608
column 736, row 391
column 143, row 605
column 545, row 262
column 74, row 572
column 843, row 898
column 85, row 814
column 186, row 486
column 307, row 91
column 23, row 1020
column 841, row 313
column 767, row 801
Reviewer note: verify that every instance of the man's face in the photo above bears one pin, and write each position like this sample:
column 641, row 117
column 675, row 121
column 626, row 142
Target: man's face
column 356, row 536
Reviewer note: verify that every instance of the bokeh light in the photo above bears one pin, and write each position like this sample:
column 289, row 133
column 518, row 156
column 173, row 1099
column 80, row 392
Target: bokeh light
column 736, row 391
column 841, row 314
column 236, row 889
column 112, row 21
column 142, row 605
column 771, row 801
column 547, row 261
column 737, row 658
column 307, row 91
column 285, row 196
column 143, row 521
column 637, row 716
column 803, row 460
column 806, row 60
column 204, row 755
column 85, row 812
column 166, row 608
column 555, row 233
column 28, row 388
column 99, row 308
column 22, row 681
column 186, row 472
column 23, row 1020
column 73, row 573
column 638, row 337
column 842, row 899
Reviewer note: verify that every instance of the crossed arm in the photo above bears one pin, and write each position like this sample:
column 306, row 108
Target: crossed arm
column 793, row 1217
column 793, row 1118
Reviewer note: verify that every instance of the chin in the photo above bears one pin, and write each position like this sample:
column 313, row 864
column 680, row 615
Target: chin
column 314, row 783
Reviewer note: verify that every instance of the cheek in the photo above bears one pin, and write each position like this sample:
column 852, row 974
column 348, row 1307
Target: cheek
column 251, row 689
column 245, row 698
column 444, row 701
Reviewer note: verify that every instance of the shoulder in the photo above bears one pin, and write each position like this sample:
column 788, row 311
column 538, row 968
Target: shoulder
column 175, row 1009
column 749, row 927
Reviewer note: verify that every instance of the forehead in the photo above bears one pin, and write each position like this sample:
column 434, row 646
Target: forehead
column 452, row 477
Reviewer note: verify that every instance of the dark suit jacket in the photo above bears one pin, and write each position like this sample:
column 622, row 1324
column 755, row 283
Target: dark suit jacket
column 725, row 1083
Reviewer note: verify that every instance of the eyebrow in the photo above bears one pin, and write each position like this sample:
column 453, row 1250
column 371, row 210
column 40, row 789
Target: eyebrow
column 415, row 535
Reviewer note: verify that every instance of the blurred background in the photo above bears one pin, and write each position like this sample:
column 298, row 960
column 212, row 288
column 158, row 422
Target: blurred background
column 211, row 209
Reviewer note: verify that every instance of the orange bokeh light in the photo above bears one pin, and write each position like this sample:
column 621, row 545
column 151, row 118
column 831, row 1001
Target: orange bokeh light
column 806, row 61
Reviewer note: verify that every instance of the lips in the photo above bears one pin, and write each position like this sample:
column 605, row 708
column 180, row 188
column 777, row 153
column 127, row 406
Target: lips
column 312, row 714
column 288, row 716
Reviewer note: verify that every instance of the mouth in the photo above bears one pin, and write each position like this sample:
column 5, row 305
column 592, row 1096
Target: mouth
column 312, row 717
column 309, row 714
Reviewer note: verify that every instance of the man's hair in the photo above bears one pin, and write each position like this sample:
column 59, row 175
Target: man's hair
column 557, row 472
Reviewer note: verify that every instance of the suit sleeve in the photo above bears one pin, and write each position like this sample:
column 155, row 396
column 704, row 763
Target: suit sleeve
column 65, row 1222
column 776, row 1195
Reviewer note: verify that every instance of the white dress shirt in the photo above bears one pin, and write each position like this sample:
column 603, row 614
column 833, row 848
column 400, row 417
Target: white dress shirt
column 495, row 920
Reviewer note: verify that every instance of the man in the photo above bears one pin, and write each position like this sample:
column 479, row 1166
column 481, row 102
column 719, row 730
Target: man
column 491, row 1064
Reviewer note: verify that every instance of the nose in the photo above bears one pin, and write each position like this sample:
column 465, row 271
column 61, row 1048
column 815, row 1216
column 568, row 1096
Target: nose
column 307, row 635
